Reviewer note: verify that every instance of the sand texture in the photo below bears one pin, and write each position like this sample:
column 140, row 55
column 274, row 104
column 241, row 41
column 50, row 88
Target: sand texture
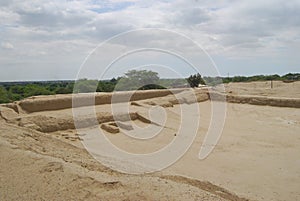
column 257, row 157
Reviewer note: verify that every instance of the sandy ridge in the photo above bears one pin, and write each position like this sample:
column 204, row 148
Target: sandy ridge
column 59, row 160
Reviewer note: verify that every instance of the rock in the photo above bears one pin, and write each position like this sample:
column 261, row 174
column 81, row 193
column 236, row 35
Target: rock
column 124, row 125
column 110, row 128
column 8, row 113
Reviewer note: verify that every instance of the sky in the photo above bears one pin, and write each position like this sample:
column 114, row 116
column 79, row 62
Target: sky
column 61, row 39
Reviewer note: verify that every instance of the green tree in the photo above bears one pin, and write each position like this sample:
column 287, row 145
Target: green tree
column 138, row 79
column 195, row 80
column 85, row 86
column 107, row 86
column 35, row 90
column 291, row 76
column 3, row 95
column 16, row 92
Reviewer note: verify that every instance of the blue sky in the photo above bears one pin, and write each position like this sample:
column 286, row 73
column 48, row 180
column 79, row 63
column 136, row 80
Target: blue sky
column 49, row 40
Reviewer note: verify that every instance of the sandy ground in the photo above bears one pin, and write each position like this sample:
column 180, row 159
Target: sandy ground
column 257, row 157
column 280, row 89
column 39, row 167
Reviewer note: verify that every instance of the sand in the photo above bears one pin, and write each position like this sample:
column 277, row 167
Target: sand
column 257, row 157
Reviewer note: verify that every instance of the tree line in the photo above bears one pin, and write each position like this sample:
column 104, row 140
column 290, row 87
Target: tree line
column 132, row 80
column 290, row 77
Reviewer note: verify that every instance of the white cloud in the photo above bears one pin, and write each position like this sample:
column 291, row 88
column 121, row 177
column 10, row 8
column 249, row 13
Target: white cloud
column 7, row 45
column 8, row 17
column 229, row 28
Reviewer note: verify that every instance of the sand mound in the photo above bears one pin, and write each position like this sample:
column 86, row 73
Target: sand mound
column 164, row 98
column 8, row 113
column 261, row 100
column 13, row 113
column 58, row 102
column 207, row 186
column 39, row 167
column 189, row 96
column 124, row 125
column 41, row 148
column 47, row 124
column 110, row 128
column 51, row 124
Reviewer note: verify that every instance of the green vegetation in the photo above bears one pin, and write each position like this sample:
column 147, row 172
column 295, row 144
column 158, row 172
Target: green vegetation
column 141, row 80
column 132, row 80
column 3, row 95
column 172, row 83
column 218, row 80
column 85, row 86
column 195, row 80
column 13, row 91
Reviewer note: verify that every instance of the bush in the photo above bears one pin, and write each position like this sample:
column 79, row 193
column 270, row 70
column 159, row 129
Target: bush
column 195, row 80
column 3, row 95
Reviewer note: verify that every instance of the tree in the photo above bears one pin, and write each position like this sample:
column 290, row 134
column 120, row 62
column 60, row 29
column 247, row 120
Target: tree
column 195, row 80
column 106, row 86
column 291, row 76
column 138, row 79
column 35, row 90
column 3, row 95
column 85, row 86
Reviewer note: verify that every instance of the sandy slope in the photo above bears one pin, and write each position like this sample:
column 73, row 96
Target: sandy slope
column 257, row 157
column 36, row 166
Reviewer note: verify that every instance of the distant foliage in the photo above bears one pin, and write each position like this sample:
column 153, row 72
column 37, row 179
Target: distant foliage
column 10, row 92
column 218, row 80
column 195, row 80
column 172, row 83
column 132, row 80
column 85, row 86
column 213, row 81
column 3, row 95
column 291, row 76
column 138, row 80
column 107, row 86
column 18, row 92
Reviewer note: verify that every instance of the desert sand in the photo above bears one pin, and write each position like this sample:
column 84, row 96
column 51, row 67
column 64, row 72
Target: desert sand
column 256, row 158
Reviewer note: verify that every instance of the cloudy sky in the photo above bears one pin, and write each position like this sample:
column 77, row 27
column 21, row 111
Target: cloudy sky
column 49, row 40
